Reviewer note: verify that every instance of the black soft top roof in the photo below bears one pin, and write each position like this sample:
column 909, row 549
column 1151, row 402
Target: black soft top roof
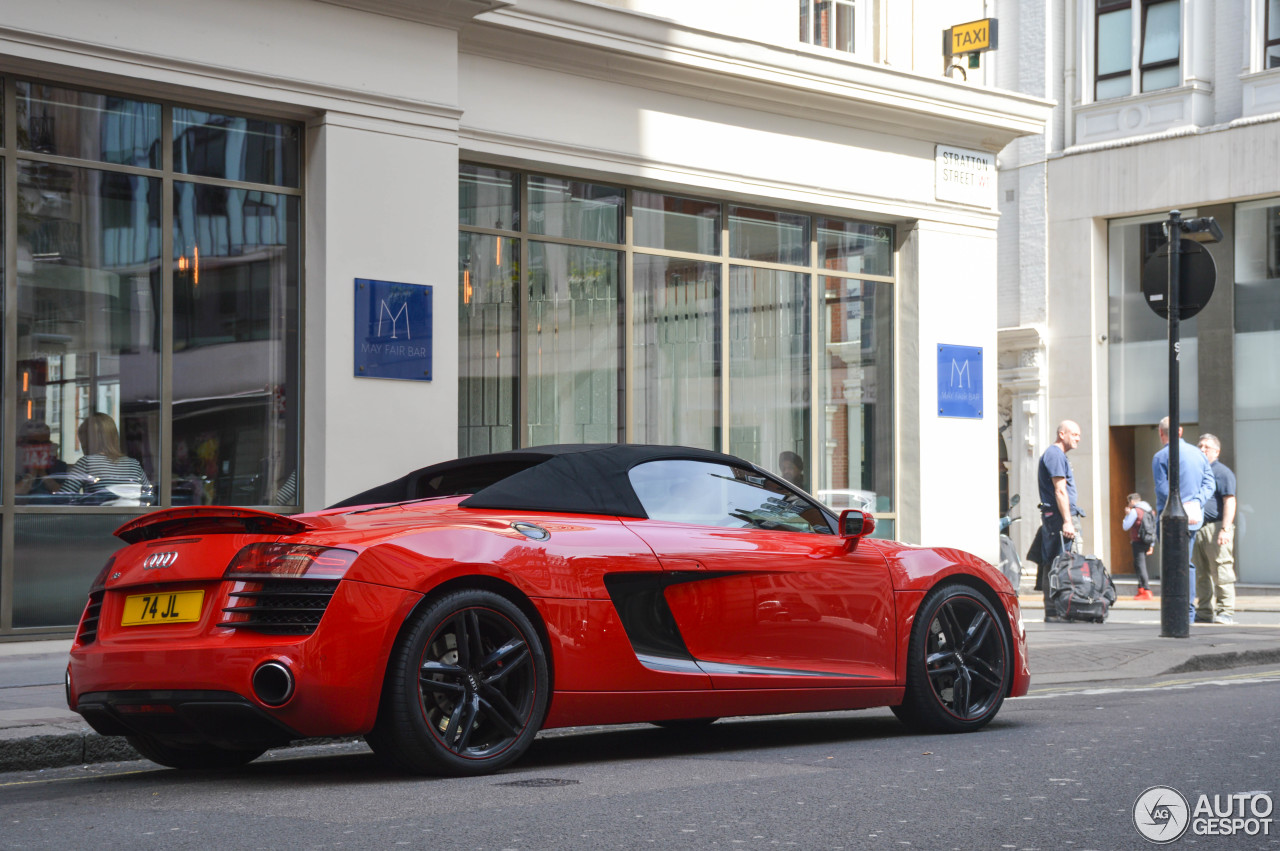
column 572, row 478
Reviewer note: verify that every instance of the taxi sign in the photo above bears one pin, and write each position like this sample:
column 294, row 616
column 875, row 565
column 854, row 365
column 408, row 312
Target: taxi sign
column 973, row 37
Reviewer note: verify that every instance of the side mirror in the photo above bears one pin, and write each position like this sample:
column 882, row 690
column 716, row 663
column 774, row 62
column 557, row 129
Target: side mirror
column 856, row 524
column 1015, row 499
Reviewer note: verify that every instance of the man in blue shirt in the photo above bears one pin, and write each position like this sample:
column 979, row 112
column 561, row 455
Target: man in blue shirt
column 1057, row 503
column 1195, row 486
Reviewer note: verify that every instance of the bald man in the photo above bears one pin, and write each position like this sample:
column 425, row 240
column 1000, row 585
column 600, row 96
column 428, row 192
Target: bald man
column 1057, row 503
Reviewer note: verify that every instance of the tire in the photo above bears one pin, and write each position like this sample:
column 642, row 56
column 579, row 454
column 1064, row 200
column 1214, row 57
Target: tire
column 685, row 725
column 467, row 688
column 955, row 687
column 192, row 756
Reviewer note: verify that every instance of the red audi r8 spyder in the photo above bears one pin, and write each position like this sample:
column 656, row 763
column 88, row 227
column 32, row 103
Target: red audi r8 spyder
column 450, row 615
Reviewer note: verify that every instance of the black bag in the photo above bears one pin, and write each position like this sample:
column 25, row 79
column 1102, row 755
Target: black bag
column 1147, row 527
column 1080, row 587
column 1035, row 555
column 1035, row 552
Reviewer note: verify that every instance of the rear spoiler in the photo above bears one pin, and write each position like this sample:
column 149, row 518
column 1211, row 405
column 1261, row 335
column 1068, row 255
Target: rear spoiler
column 207, row 520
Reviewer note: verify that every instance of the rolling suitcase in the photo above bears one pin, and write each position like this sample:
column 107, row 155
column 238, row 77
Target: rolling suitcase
column 1080, row 586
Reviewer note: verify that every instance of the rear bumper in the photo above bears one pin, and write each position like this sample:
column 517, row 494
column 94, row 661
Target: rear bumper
column 206, row 676
column 185, row 717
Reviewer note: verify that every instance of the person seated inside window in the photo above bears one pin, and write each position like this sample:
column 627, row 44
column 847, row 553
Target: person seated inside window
column 104, row 469
column 40, row 470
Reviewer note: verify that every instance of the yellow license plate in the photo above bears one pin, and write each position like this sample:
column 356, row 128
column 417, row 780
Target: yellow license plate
column 162, row 607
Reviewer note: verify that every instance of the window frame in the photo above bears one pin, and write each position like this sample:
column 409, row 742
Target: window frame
column 72, row 520
column 809, row 14
column 12, row 155
column 1143, row 66
column 1109, row 7
column 1269, row 44
column 816, row 267
column 1137, row 67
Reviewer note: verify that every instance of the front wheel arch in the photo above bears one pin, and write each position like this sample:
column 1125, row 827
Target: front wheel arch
column 991, row 596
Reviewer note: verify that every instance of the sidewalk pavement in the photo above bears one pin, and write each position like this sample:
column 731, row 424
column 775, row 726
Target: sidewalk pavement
column 38, row 731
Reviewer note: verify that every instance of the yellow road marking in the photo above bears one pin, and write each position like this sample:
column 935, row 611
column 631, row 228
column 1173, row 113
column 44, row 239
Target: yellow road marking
column 63, row 779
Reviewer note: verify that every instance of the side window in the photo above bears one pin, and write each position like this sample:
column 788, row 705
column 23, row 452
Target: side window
column 1271, row 55
column 709, row 494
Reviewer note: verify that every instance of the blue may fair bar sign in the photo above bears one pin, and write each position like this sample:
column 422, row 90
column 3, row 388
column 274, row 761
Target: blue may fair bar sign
column 392, row 330
column 960, row 381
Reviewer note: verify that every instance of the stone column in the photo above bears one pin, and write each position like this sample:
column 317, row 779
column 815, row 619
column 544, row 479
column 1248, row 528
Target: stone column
column 1023, row 406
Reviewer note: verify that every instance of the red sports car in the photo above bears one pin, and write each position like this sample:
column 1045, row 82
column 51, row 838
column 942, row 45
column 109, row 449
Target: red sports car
column 452, row 614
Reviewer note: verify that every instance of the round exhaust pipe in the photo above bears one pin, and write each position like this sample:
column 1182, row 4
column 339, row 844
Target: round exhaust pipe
column 273, row 683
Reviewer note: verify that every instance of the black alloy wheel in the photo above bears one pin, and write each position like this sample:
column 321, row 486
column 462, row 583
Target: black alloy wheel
column 466, row 689
column 958, row 667
column 166, row 753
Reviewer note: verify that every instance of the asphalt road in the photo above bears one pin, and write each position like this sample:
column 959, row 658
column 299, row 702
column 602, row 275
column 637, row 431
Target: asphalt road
column 1058, row 769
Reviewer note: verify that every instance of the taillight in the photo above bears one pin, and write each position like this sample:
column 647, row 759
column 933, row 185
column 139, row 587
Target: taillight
column 100, row 583
column 283, row 561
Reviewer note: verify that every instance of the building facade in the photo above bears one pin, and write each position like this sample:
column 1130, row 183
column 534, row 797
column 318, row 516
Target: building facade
column 1160, row 105
column 722, row 224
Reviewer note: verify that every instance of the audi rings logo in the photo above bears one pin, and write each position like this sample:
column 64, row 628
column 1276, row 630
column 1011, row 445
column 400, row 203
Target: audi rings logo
column 1161, row 814
column 159, row 560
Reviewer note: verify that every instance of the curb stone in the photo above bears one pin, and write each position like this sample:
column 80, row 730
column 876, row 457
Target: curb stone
column 1221, row 661
column 58, row 750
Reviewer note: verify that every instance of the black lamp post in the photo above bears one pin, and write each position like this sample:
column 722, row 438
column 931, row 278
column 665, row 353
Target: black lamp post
column 1175, row 584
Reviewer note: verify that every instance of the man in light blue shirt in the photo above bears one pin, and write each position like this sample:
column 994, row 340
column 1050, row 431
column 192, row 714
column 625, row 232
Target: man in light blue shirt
column 1196, row 485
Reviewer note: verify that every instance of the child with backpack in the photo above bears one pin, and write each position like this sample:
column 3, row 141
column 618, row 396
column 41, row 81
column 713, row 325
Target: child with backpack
column 1140, row 523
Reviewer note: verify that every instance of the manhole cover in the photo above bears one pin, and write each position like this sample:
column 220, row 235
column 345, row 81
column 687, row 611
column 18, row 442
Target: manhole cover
column 538, row 782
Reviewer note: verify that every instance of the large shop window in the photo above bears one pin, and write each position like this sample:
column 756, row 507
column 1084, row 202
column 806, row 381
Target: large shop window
column 590, row 313
column 1155, row 41
column 141, row 379
column 1138, row 339
column 1257, row 387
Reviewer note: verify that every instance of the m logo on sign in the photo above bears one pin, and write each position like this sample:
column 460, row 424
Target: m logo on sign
column 385, row 310
column 960, row 381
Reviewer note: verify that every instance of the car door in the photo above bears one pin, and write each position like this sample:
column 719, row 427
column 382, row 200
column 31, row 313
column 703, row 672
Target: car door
column 764, row 593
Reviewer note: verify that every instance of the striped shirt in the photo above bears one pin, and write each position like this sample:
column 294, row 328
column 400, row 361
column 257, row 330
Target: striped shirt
column 94, row 473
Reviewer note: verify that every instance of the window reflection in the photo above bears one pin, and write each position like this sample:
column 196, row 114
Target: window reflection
column 855, row 468
column 70, row 123
column 857, row 247
column 677, row 351
column 488, row 346
column 1138, row 338
column 575, row 209
column 88, row 292
column 573, row 344
column 769, row 402
column 488, row 198
column 232, row 147
column 55, row 557
column 235, row 344
column 769, row 236
column 675, row 223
